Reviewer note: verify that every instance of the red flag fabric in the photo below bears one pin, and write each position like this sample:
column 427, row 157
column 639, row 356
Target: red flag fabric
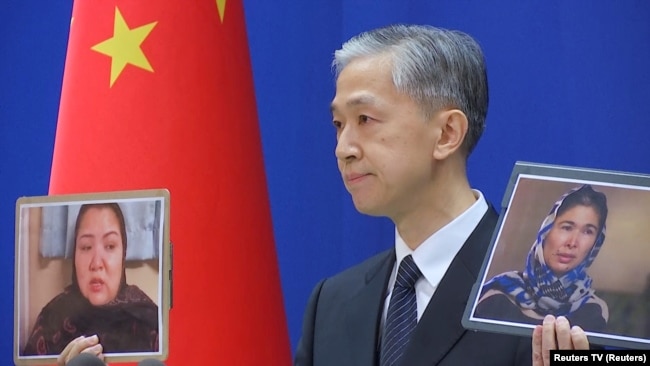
column 159, row 94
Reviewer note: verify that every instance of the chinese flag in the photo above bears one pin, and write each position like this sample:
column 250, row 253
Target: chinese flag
column 159, row 94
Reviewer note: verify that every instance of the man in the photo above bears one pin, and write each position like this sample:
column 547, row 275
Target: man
column 410, row 106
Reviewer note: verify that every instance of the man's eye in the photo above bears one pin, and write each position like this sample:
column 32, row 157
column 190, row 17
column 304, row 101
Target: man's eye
column 337, row 124
column 363, row 118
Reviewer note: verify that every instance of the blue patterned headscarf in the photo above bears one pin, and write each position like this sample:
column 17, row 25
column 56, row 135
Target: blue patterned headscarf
column 537, row 287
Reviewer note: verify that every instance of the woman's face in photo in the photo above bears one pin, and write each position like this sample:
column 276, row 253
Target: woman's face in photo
column 570, row 239
column 99, row 255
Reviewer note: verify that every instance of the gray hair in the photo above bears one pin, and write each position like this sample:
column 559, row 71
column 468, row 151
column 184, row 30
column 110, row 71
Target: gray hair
column 436, row 67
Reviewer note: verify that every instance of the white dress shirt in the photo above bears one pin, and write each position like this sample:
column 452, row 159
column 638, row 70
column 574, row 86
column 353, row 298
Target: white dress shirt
column 434, row 256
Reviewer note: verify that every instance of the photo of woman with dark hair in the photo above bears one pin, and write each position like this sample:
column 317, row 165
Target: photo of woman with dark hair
column 555, row 280
column 98, row 301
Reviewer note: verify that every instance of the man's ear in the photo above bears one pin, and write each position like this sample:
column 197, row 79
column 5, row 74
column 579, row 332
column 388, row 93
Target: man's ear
column 454, row 125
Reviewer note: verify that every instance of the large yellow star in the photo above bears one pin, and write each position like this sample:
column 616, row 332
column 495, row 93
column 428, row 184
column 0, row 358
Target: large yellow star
column 124, row 46
column 221, row 8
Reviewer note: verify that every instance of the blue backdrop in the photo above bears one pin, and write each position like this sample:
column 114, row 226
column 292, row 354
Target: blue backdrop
column 569, row 84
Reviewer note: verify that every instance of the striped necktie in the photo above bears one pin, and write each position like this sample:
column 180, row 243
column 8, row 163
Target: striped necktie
column 401, row 318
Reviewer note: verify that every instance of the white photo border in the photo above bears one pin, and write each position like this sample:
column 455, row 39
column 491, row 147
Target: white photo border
column 21, row 269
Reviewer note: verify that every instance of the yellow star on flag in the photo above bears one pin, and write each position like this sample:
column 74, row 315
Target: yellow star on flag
column 124, row 46
column 221, row 8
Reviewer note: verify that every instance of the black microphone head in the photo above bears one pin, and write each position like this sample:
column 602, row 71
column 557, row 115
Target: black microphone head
column 150, row 362
column 85, row 359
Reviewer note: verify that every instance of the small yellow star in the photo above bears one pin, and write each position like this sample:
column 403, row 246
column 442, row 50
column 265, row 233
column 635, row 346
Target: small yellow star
column 124, row 46
column 221, row 7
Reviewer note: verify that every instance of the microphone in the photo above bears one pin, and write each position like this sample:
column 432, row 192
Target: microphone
column 150, row 362
column 85, row 359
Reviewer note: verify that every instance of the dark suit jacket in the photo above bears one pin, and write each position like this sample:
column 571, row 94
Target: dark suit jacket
column 342, row 320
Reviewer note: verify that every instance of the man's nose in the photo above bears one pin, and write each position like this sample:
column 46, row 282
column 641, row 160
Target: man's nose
column 347, row 145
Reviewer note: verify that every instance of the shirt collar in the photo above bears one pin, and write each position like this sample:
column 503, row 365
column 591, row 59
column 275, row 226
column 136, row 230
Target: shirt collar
column 436, row 253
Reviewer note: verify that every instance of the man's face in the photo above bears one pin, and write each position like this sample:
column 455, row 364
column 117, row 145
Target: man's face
column 384, row 142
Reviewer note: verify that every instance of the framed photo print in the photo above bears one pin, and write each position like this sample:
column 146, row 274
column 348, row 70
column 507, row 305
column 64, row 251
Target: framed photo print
column 92, row 264
column 570, row 242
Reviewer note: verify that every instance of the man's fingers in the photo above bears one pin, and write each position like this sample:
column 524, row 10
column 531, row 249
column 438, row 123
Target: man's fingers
column 548, row 338
column 537, row 346
column 579, row 338
column 556, row 334
column 563, row 333
column 61, row 360
column 81, row 345
column 77, row 346
column 94, row 350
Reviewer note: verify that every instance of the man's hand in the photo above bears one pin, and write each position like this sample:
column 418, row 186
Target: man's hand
column 556, row 334
column 81, row 344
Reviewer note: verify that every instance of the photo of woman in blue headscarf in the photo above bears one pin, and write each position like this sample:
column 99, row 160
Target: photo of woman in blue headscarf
column 555, row 280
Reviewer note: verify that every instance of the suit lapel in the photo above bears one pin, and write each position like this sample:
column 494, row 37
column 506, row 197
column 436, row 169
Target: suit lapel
column 440, row 326
column 363, row 312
